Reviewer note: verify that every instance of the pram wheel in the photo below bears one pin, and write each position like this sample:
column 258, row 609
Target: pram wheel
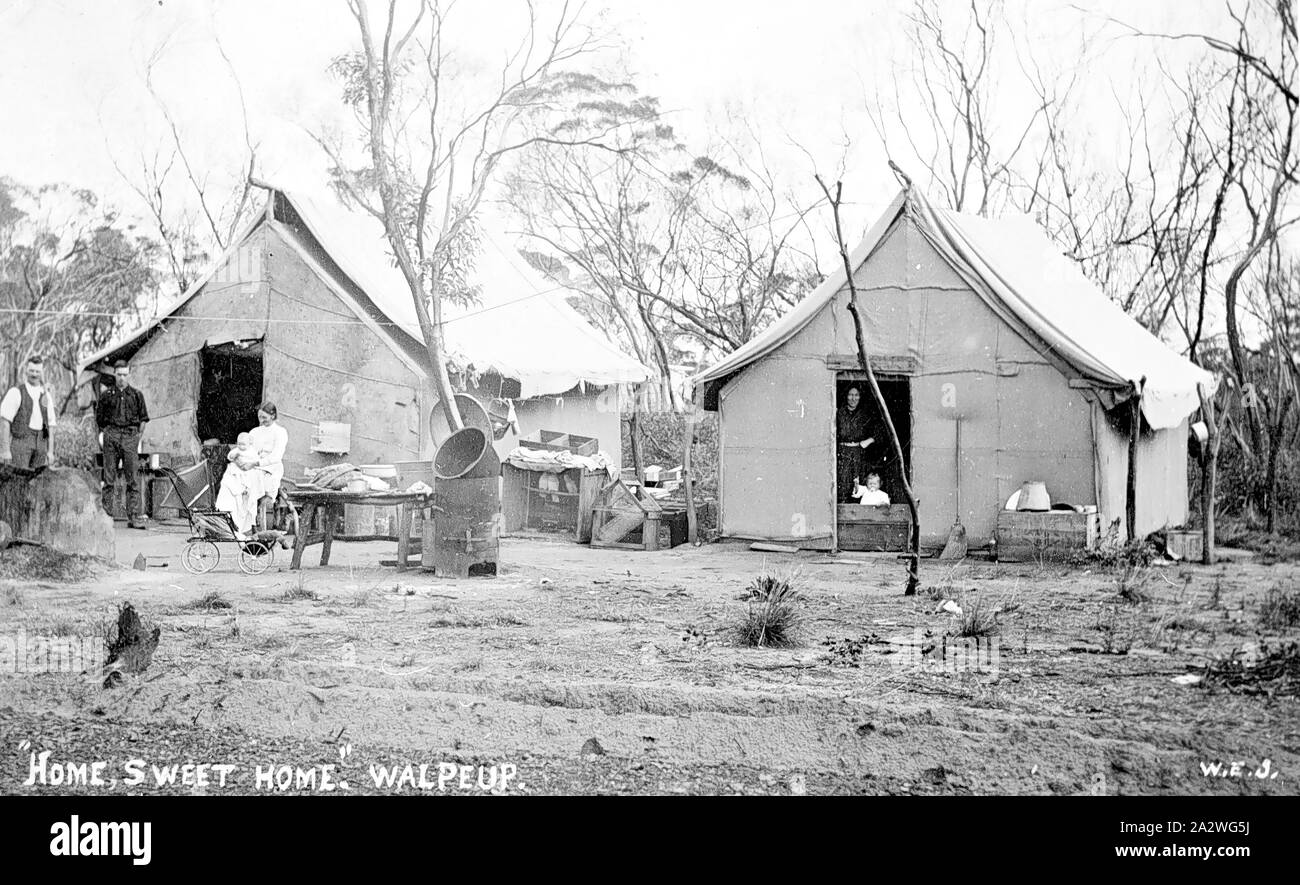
column 256, row 557
column 200, row 556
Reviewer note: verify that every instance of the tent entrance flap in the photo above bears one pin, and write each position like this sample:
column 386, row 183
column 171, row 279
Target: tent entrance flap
column 230, row 389
column 871, row 523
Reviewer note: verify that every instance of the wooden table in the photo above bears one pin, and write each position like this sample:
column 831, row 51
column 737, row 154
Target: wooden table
column 309, row 500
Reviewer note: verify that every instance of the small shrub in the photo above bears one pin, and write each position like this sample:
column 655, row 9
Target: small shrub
column 210, row 601
column 848, row 652
column 1272, row 670
column 1114, row 640
column 1280, row 609
column 938, row 592
column 773, row 616
column 1130, row 585
column 299, row 591
column 768, row 583
column 978, row 617
column 1216, row 593
column 1136, row 553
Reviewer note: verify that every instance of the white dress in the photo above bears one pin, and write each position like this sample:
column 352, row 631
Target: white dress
column 242, row 489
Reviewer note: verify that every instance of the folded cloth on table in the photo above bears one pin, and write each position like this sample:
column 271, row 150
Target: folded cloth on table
column 557, row 462
column 337, row 476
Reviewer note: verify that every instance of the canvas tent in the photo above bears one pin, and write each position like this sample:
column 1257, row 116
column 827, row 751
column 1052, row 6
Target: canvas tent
column 964, row 317
column 308, row 310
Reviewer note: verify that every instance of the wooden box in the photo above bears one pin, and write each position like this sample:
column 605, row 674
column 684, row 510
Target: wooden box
column 1185, row 544
column 553, row 441
column 544, row 440
column 410, row 472
column 1051, row 535
column 526, row 506
column 877, row 529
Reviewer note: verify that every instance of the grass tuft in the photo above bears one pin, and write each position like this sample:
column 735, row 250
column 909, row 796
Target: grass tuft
column 210, row 601
column 298, row 591
column 1131, row 584
column 773, row 617
column 1280, row 609
column 978, row 617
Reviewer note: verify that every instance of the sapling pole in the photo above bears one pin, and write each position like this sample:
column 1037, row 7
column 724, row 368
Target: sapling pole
column 914, row 541
column 1209, row 472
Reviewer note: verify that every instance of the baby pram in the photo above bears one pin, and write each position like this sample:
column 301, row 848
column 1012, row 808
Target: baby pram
column 210, row 527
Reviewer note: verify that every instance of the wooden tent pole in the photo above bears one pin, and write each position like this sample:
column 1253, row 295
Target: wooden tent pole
column 1134, row 432
column 688, row 476
column 634, row 437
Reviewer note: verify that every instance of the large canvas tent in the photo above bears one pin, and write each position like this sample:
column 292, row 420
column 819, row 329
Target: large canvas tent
column 971, row 318
column 308, row 310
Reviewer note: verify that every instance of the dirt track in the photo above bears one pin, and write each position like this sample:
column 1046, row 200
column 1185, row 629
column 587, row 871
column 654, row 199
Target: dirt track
column 631, row 649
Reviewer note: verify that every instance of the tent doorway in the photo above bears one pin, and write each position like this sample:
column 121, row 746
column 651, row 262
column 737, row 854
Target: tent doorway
column 230, row 390
column 858, row 417
column 878, row 457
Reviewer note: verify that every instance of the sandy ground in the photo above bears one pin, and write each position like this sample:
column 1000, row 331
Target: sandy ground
column 356, row 665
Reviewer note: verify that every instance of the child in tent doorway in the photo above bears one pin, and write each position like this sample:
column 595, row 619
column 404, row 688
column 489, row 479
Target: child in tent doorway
column 870, row 494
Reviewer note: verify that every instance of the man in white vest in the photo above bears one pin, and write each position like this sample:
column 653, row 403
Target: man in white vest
column 27, row 420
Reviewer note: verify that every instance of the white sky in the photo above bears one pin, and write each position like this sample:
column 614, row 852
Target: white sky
column 72, row 89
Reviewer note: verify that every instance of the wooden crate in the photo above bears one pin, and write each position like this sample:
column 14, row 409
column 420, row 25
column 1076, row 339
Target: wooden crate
column 554, row 441
column 409, row 472
column 523, row 506
column 545, row 440
column 643, row 537
column 1185, row 544
column 876, row 529
column 1051, row 535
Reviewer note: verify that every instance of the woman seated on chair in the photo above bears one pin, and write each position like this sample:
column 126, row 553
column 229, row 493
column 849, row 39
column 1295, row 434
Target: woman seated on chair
column 247, row 478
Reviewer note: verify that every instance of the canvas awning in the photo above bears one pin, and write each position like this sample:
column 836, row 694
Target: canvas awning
column 1015, row 268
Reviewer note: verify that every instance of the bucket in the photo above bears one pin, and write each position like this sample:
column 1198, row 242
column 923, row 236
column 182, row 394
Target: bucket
column 472, row 414
column 466, row 454
column 358, row 520
column 1034, row 497
column 499, row 414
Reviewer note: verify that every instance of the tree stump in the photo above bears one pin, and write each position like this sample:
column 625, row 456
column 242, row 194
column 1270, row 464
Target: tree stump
column 58, row 508
column 132, row 646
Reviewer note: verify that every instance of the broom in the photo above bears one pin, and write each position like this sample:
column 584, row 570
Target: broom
column 956, row 546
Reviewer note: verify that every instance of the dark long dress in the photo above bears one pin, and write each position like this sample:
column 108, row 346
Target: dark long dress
column 850, row 462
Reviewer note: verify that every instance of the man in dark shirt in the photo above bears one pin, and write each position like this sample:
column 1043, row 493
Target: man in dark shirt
column 121, row 416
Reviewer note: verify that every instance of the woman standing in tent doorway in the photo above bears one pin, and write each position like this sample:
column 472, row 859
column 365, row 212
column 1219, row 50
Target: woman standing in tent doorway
column 853, row 437
column 242, row 487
